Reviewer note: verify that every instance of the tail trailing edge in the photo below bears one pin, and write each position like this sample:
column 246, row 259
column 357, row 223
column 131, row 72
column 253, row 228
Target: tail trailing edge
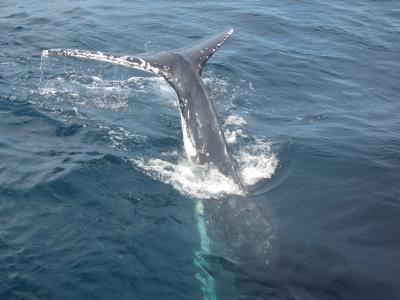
column 199, row 52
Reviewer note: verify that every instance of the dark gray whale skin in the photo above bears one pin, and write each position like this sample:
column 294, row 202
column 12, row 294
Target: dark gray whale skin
column 182, row 69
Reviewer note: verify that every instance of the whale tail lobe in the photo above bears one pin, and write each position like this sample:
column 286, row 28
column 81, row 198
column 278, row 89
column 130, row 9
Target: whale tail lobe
column 199, row 53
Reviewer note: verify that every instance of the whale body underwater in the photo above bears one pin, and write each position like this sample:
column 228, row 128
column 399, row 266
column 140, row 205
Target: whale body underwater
column 235, row 237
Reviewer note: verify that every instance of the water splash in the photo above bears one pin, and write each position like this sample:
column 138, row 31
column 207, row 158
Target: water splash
column 199, row 181
column 233, row 128
column 256, row 162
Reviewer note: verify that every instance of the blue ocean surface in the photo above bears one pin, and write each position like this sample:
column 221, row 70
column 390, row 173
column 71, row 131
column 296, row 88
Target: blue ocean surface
column 98, row 199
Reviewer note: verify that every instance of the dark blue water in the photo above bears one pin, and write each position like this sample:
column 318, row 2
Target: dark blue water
column 96, row 201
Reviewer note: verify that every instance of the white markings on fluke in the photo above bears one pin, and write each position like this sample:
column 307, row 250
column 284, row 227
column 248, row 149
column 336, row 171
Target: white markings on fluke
column 133, row 62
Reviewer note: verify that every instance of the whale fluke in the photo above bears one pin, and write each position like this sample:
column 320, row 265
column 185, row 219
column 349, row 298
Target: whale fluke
column 197, row 53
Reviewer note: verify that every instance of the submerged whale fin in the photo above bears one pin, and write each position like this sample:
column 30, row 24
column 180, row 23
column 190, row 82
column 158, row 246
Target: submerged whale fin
column 199, row 52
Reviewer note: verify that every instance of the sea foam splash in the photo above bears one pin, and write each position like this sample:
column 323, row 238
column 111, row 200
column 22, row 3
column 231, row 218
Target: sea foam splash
column 256, row 162
column 233, row 128
column 195, row 180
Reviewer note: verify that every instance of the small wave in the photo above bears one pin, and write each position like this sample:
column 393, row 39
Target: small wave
column 119, row 137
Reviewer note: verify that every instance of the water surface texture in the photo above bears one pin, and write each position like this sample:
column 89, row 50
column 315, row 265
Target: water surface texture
column 97, row 199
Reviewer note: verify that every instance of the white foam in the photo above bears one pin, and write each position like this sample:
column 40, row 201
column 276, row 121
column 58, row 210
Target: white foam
column 235, row 120
column 199, row 181
column 257, row 162
column 96, row 78
column 47, row 91
column 233, row 128
column 232, row 136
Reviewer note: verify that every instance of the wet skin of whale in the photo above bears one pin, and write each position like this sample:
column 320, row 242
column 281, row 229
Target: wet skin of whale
column 239, row 234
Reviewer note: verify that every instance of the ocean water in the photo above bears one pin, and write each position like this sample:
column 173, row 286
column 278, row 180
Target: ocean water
column 98, row 200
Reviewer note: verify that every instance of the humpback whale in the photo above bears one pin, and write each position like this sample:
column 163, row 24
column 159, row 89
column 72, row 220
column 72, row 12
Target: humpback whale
column 234, row 236
column 204, row 139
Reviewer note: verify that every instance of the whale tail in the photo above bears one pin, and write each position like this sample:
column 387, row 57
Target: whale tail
column 197, row 54
column 182, row 69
